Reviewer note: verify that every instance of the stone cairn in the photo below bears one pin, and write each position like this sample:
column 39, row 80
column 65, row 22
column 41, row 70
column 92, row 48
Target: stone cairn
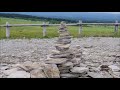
column 63, row 57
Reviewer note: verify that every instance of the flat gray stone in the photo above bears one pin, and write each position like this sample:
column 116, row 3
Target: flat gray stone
column 5, row 67
column 116, row 74
column 10, row 71
column 95, row 75
column 88, row 46
column 67, row 64
column 118, row 55
column 64, row 34
column 67, row 55
column 67, row 75
column 114, row 68
column 65, row 37
column 63, row 46
column 55, row 61
column 79, row 70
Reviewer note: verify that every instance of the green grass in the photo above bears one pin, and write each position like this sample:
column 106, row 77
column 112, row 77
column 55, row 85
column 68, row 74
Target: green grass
column 36, row 31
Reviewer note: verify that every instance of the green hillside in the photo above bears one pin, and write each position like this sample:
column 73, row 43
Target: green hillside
column 36, row 31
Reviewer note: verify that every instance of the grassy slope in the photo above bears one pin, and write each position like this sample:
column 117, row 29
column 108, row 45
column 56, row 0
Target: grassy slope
column 36, row 31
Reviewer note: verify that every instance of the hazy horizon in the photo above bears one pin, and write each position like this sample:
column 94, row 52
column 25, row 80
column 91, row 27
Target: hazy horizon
column 76, row 16
column 65, row 12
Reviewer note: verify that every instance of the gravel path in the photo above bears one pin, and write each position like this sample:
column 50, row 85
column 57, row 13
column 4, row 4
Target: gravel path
column 95, row 49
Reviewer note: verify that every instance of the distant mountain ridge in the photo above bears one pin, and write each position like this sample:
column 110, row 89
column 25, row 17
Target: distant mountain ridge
column 75, row 16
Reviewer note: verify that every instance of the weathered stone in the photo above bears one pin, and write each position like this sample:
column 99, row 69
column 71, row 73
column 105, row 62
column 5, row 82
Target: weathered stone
column 103, row 74
column 116, row 74
column 67, row 55
column 67, row 64
column 51, row 71
column 62, row 47
column 114, row 68
column 64, row 41
column 78, row 46
column 55, row 61
column 30, row 66
column 68, row 75
column 60, row 56
column 95, row 75
column 61, row 52
column 63, row 68
column 118, row 55
column 1, row 76
column 106, row 74
column 10, row 71
column 19, row 74
column 104, row 67
column 27, row 53
column 88, row 46
column 65, row 37
column 3, row 65
column 26, row 68
column 112, row 54
column 94, row 69
column 36, row 65
column 82, row 65
column 4, row 68
column 27, row 63
column 76, row 61
column 90, row 64
column 79, row 69
column 37, row 73
column 78, row 55
column 64, row 71
column 63, row 31
column 55, row 52
column 64, row 34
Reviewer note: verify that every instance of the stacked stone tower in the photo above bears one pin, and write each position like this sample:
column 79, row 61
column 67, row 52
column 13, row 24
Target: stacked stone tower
column 62, row 56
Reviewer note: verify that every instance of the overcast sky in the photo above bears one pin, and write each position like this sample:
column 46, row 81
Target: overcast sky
column 70, row 12
column 74, row 12
column 110, row 12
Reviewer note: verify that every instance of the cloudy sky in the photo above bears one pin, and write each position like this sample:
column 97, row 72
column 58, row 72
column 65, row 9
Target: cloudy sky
column 70, row 12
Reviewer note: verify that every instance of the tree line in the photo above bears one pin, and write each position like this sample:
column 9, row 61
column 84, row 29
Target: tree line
column 36, row 18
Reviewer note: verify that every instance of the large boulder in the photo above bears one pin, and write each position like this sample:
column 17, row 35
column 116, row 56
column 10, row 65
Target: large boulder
column 47, row 71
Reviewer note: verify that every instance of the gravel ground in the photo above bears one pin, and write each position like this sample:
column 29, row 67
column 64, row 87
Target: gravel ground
column 95, row 49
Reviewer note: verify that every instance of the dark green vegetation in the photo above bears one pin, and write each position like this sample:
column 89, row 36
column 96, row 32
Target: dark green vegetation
column 35, row 18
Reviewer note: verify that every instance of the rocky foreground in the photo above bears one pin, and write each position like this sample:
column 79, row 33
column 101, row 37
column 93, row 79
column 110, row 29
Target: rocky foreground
column 26, row 58
column 63, row 57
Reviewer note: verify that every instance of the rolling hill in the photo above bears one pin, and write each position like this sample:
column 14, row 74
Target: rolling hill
column 74, row 16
